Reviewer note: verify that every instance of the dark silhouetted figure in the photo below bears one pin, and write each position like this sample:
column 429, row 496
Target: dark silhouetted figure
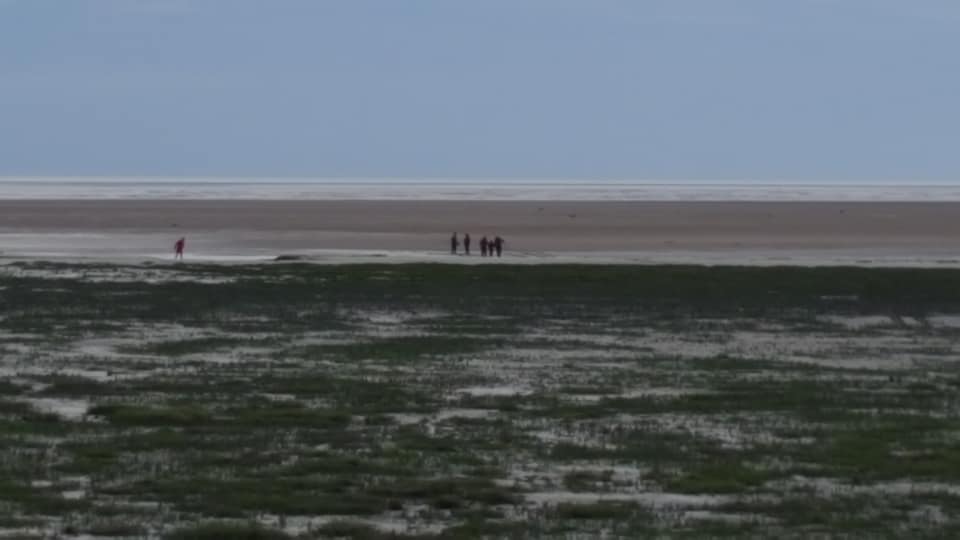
column 178, row 248
column 466, row 243
column 498, row 245
column 483, row 246
column 454, row 244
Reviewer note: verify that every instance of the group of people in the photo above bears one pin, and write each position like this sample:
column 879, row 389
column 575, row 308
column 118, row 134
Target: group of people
column 490, row 248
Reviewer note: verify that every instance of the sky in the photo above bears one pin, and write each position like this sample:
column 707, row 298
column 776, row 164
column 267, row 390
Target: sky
column 770, row 90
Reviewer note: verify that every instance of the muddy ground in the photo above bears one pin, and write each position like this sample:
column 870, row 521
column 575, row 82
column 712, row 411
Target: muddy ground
column 421, row 401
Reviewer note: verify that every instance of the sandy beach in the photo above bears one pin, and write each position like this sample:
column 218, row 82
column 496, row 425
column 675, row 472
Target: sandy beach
column 722, row 232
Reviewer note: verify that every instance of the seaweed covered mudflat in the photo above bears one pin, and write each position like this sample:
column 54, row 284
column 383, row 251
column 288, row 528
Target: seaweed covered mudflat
column 423, row 401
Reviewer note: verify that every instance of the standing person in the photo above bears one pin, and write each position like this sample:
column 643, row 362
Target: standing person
column 483, row 246
column 466, row 243
column 498, row 244
column 454, row 244
column 178, row 248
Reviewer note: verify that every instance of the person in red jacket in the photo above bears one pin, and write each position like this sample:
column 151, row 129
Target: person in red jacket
column 178, row 249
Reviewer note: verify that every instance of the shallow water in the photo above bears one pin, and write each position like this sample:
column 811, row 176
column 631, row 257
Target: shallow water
column 463, row 189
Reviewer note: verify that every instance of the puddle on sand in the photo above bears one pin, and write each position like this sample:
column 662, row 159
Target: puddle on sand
column 68, row 409
column 496, row 390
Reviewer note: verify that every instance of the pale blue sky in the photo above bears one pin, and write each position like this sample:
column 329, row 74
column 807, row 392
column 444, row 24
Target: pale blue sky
column 647, row 89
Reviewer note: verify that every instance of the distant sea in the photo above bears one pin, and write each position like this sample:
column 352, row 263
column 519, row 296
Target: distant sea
column 465, row 189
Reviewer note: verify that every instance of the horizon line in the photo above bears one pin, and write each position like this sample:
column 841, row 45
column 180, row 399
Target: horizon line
column 497, row 179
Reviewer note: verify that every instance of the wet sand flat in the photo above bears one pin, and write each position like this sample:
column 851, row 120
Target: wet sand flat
column 529, row 226
column 433, row 401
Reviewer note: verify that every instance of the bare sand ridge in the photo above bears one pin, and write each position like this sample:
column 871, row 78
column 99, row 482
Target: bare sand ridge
column 114, row 228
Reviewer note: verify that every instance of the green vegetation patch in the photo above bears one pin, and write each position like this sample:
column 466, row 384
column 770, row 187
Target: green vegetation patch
column 226, row 531
column 499, row 387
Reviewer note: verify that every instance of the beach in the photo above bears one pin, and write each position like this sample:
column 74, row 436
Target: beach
column 294, row 401
column 722, row 232
column 784, row 363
